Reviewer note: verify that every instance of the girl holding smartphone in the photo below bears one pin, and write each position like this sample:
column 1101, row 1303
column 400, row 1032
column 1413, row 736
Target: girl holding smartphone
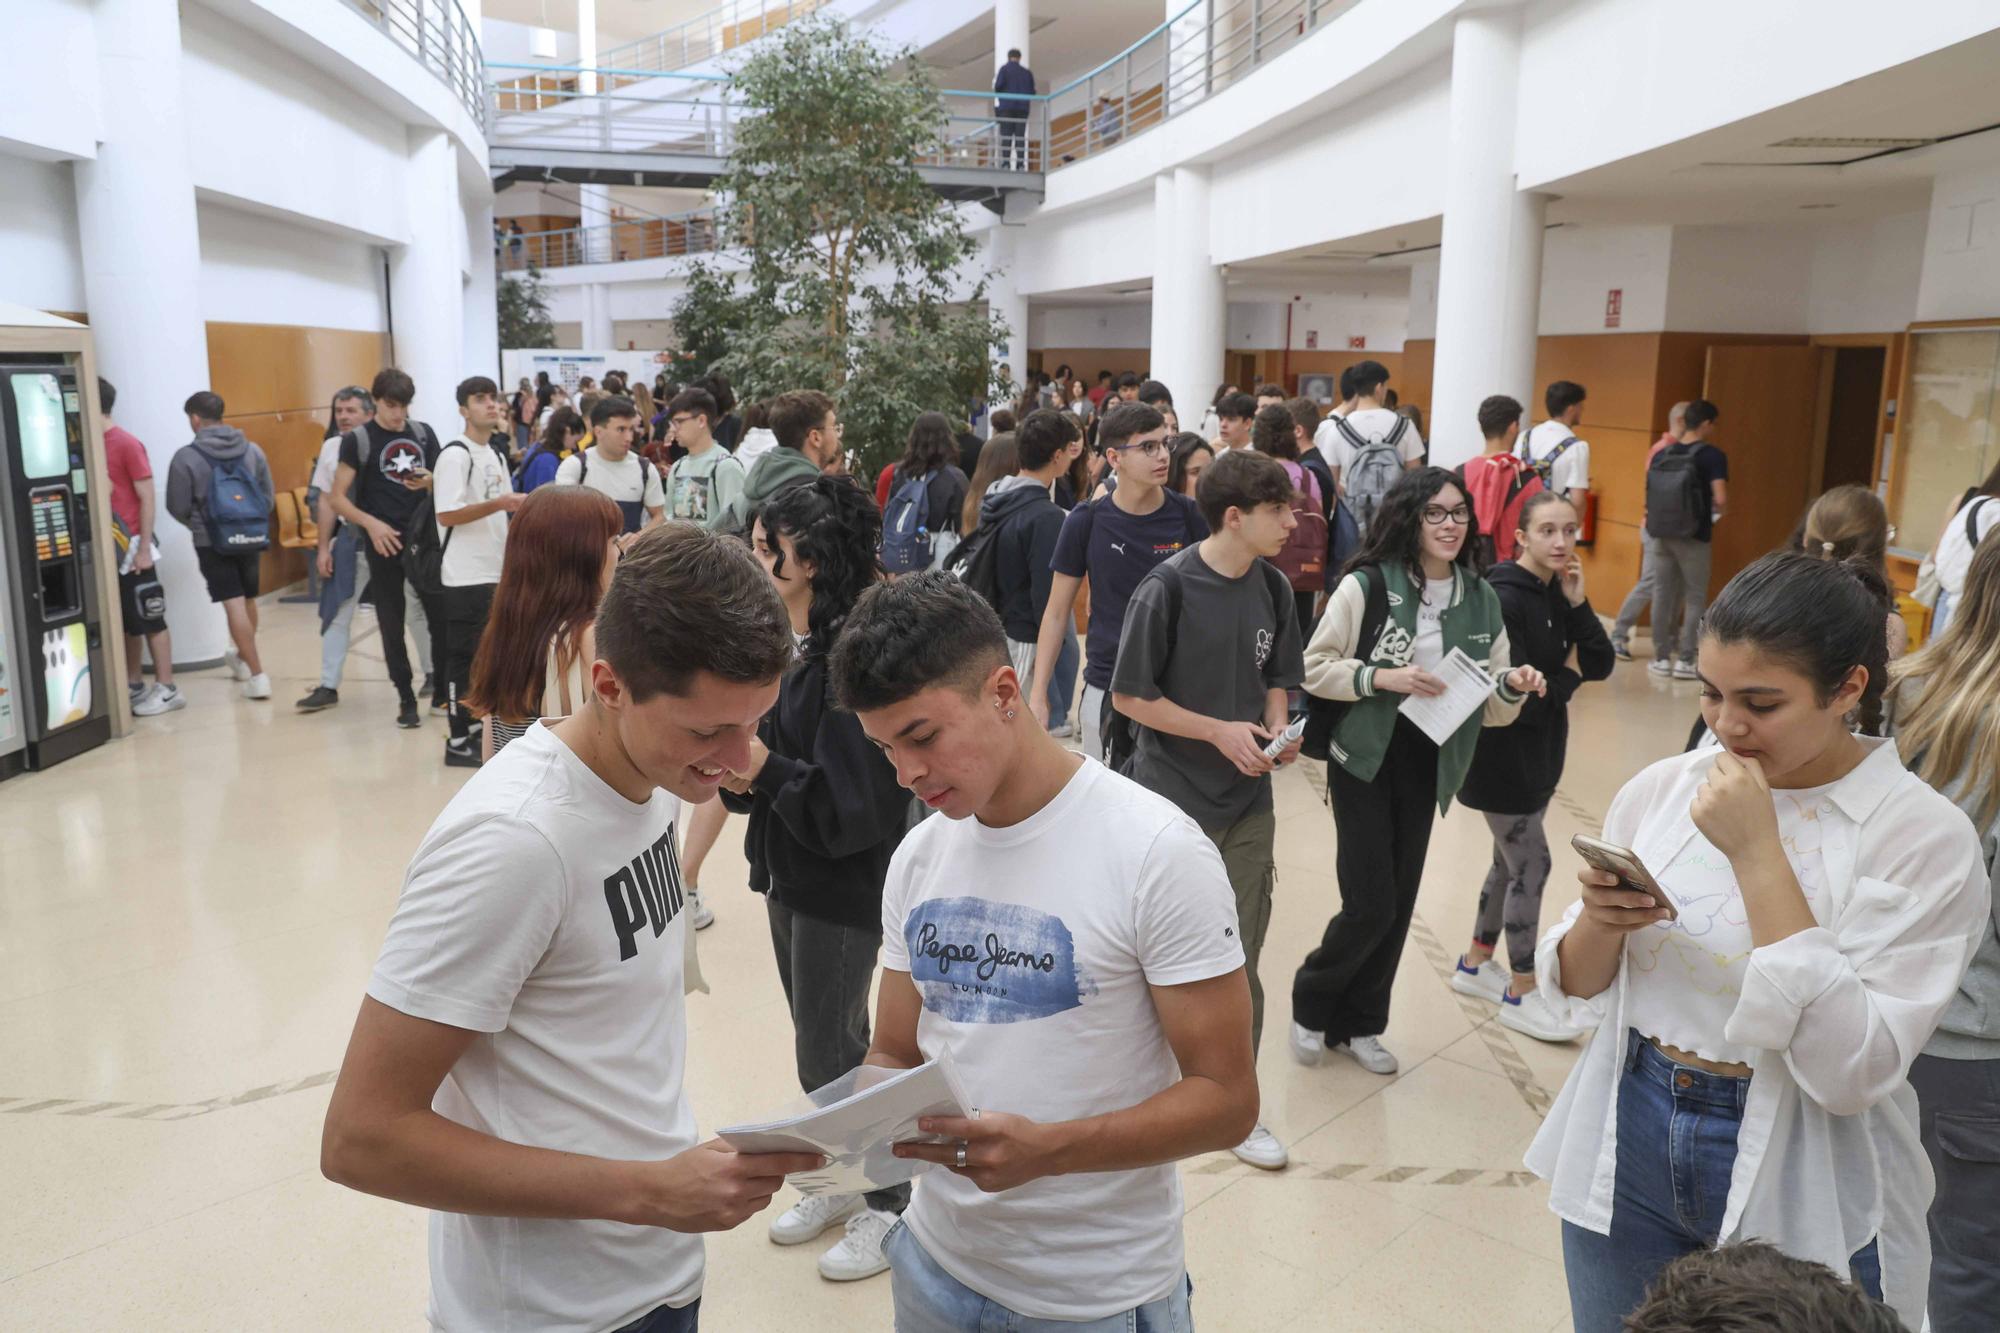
column 1515, row 769
column 1750, row 1073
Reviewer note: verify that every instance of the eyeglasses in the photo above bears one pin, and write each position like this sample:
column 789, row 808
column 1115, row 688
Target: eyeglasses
column 1437, row 515
column 682, row 419
column 1150, row 448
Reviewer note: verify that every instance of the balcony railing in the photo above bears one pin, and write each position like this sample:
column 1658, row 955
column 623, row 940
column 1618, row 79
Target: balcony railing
column 628, row 238
column 706, row 36
column 438, row 35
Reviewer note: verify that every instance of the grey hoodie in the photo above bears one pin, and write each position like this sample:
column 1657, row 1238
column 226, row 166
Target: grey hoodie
column 187, row 476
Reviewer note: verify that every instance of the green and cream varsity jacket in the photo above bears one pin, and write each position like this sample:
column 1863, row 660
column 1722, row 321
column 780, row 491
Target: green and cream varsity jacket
column 1340, row 668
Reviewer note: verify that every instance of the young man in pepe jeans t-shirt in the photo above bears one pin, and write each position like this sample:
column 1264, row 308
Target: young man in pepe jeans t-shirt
column 1069, row 938
column 517, row 1066
column 472, row 495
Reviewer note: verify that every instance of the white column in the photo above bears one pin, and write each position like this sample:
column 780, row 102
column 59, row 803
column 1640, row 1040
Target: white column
column 426, row 280
column 1010, row 33
column 1189, row 304
column 1489, row 265
column 597, row 325
column 142, row 278
column 481, row 355
column 596, row 199
column 1005, row 302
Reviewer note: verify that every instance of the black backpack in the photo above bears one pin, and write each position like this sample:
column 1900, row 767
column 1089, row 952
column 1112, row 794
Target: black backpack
column 975, row 562
column 423, row 549
column 1676, row 495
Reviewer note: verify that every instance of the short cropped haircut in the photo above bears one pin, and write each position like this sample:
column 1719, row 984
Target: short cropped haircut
column 1128, row 380
column 475, row 384
column 798, row 414
column 1238, row 404
column 1152, row 393
column 1495, row 413
column 107, row 396
column 684, row 601
column 1002, row 421
column 1752, row 1287
column 1561, row 396
column 903, row 638
column 1270, row 391
column 1041, row 437
column 393, row 386
column 1346, row 383
column 1121, row 423
column 204, row 406
column 1240, row 479
column 611, row 405
column 1699, row 413
column 1369, row 376
column 1305, row 415
column 696, row 400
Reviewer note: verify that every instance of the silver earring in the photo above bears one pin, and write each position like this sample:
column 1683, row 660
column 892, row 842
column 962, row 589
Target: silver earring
column 1010, row 715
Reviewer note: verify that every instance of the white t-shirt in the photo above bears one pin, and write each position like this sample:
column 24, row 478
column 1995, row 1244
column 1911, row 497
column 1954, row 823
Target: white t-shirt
column 464, row 476
column 1427, row 649
column 631, row 480
column 1686, row 975
column 1955, row 551
column 1370, row 423
column 1033, row 948
column 1572, row 471
column 543, row 910
column 329, row 459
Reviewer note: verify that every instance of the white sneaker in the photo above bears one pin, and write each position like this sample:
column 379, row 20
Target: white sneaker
column 810, row 1216
column 234, row 661
column 858, row 1254
column 1063, row 732
column 1486, row 982
column 1308, row 1047
column 1684, row 670
column 159, row 699
column 1660, row 666
column 1370, row 1054
column 1263, row 1150
column 1532, row 1016
column 699, row 913
column 257, row 686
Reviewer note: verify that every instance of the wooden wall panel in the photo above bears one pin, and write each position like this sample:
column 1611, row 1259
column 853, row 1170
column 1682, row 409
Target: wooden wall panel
column 1419, row 361
column 276, row 382
column 1087, row 361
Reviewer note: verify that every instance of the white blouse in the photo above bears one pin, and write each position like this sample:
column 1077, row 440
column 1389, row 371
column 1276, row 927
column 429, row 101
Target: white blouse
column 1827, row 1156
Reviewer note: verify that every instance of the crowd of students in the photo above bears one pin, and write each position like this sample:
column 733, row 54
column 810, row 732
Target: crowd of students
column 634, row 630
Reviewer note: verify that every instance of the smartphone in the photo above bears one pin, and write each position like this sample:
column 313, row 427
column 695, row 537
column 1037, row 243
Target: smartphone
column 1624, row 863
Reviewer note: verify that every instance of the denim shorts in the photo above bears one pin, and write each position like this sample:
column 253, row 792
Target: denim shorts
column 930, row 1300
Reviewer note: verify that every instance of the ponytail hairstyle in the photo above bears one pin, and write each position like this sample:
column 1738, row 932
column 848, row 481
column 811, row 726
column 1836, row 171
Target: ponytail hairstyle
column 1848, row 523
column 1823, row 618
column 835, row 525
column 1947, row 695
column 1536, row 501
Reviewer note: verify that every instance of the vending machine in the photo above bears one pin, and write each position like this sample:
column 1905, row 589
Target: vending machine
column 52, row 659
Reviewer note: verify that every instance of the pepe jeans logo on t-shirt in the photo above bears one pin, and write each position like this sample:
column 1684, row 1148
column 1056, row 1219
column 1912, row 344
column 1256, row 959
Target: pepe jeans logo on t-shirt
column 646, row 892
column 976, row 961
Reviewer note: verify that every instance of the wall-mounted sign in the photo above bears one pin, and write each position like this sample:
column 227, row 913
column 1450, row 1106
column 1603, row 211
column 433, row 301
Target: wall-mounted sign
column 1357, row 343
column 1312, row 339
column 1614, row 307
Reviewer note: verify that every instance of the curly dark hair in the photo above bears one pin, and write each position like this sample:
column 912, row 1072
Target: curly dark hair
column 933, row 444
column 1750, row 1287
column 835, row 525
column 1397, row 535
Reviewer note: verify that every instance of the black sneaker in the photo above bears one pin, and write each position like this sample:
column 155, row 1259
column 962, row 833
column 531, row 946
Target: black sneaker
column 1621, row 651
column 461, row 754
column 321, row 697
column 428, row 690
column 407, row 715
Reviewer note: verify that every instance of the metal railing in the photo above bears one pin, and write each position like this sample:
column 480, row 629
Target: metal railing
column 1206, row 47
column 441, row 38
column 706, row 36
column 692, row 233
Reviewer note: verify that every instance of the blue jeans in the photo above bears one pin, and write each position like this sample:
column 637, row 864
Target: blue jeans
column 1677, row 1128
column 667, row 1319
column 1062, row 681
column 930, row 1300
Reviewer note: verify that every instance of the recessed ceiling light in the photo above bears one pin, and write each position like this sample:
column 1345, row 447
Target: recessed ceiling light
column 1837, row 141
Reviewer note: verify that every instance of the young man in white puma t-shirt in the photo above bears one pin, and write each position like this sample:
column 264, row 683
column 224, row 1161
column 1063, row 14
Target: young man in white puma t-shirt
column 518, row 1062
column 1070, row 938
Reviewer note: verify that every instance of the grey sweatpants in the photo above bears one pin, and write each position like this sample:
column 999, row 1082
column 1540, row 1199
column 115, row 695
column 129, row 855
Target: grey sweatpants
column 1511, row 899
column 1680, row 589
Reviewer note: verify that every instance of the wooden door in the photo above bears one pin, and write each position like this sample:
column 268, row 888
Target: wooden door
column 1767, row 396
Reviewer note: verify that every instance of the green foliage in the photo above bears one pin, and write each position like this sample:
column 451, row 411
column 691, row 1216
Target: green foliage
column 852, row 259
column 524, row 311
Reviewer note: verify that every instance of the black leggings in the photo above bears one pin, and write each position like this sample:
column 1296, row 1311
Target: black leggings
column 1512, row 897
column 1383, row 830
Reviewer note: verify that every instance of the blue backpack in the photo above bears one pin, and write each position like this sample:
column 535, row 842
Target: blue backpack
column 906, row 536
column 238, row 513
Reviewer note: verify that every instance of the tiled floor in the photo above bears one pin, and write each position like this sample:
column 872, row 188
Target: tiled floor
column 187, row 919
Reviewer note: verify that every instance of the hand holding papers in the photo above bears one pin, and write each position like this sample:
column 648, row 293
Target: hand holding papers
column 855, row 1121
column 1466, row 689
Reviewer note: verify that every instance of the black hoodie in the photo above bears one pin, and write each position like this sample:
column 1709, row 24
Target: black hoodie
column 825, row 811
column 1024, row 550
column 1516, row 768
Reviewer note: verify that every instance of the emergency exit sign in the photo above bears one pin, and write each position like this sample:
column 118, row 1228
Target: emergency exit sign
column 1614, row 307
column 1357, row 342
